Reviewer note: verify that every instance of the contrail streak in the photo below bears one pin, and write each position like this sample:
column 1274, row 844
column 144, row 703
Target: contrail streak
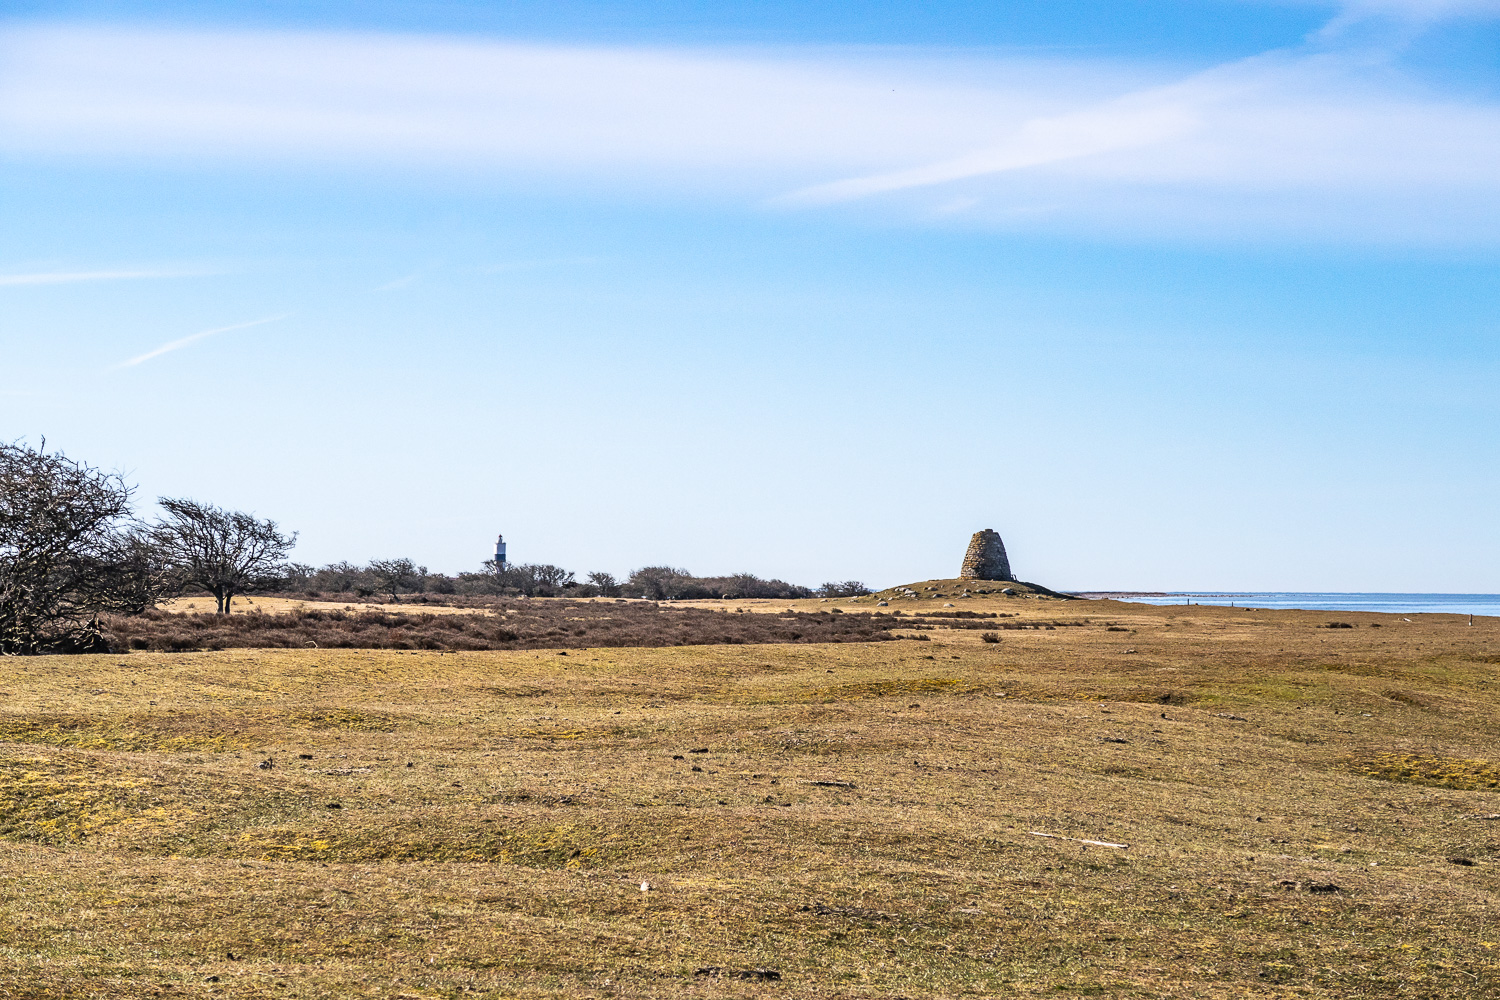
column 68, row 277
column 200, row 335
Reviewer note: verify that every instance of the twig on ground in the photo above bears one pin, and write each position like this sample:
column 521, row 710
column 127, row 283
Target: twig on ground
column 1076, row 840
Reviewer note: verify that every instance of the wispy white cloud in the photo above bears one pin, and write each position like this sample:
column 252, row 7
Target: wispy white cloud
column 377, row 100
column 1314, row 142
column 70, row 277
column 1298, row 124
column 1388, row 24
column 1038, row 142
column 182, row 342
column 1427, row 11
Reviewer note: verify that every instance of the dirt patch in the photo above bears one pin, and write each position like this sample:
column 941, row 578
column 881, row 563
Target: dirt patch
column 899, row 686
column 345, row 718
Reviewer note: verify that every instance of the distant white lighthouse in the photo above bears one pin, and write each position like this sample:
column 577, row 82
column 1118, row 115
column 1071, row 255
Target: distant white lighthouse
column 500, row 552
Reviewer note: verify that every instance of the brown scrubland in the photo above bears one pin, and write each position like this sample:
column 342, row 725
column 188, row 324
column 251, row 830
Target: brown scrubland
column 1084, row 798
column 552, row 624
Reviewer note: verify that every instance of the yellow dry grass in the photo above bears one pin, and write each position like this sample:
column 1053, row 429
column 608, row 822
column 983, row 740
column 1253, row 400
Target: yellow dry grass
column 1308, row 813
column 280, row 605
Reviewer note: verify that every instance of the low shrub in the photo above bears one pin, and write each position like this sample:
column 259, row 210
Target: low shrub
column 519, row 625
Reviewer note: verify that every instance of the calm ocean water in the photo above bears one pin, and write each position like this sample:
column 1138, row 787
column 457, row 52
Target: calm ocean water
column 1460, row 604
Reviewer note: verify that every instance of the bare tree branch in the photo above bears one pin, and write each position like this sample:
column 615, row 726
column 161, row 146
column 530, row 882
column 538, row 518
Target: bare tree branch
column 69, row 552
column 226, row 552
column 395, row 575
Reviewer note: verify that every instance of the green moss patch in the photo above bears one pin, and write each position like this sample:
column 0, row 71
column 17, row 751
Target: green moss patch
column 1438, row 772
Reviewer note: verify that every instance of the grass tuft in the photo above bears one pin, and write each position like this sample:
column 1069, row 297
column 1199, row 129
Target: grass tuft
column 87, row 733
column 53, row 802
column 1437, row 772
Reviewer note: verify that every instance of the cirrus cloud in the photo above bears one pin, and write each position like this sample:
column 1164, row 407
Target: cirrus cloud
column 1307, row 143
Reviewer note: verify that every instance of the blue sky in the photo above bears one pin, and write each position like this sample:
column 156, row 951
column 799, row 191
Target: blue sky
column 1173, row 295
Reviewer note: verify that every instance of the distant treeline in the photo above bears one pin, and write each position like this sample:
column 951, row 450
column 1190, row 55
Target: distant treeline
column 73, row 553
column 391, row 578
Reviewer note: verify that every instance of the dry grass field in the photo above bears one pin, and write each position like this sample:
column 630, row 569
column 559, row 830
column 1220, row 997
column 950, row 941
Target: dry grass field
column 280, row 605
column 1307, row 812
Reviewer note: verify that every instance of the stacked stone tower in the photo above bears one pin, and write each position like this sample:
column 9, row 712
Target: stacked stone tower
column 986, row 559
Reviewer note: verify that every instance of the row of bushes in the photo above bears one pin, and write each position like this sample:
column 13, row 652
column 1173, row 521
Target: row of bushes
column 392, row 578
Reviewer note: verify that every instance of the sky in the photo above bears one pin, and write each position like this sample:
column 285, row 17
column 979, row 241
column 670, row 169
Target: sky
column 1174, row 295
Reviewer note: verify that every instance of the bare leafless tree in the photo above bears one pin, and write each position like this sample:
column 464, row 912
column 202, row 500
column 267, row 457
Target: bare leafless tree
column 395, row 575
column 658, row 582
column 226, row 552
column 668, row 583
column 69, row 552
column 530, row 579
column 845, row 588
column 606, row 583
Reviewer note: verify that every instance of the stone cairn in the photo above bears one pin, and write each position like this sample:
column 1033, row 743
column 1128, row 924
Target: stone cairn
column 986, row 559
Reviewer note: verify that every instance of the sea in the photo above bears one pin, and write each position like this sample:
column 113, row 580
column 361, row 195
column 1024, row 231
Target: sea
column 1405, row 604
